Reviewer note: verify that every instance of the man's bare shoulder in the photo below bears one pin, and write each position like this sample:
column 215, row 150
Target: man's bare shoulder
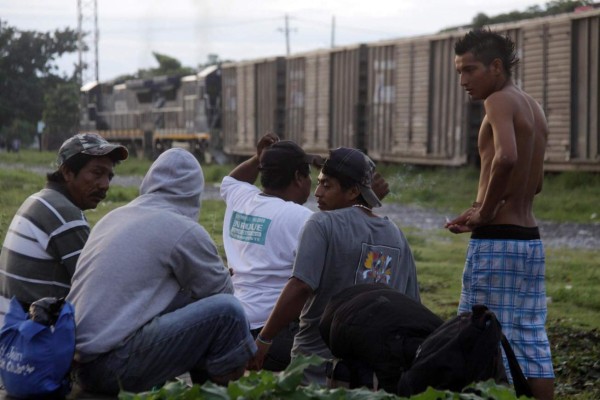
column 507, row 95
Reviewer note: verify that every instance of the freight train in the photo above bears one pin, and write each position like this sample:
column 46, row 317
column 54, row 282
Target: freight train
column 398, row 100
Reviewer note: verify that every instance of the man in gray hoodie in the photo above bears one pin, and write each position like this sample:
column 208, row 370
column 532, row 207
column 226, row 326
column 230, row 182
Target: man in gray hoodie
column 152, row 297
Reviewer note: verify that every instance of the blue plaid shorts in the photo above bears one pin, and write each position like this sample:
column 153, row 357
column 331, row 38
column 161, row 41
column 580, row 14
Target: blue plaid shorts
column 508, row 277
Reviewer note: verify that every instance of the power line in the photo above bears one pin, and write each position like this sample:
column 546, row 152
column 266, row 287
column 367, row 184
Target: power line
column 181, row 27
column 354, row 28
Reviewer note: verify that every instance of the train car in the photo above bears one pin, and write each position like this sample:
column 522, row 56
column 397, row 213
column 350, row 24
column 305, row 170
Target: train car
column 326, row 98
column 253, row 103
column 151, row 115
column 308, row 101
column 418, row 114
column 415, row 109
column 399, row 100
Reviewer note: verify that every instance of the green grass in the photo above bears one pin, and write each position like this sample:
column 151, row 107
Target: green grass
column 566, row 197
column 131, row 166
column 30, row 157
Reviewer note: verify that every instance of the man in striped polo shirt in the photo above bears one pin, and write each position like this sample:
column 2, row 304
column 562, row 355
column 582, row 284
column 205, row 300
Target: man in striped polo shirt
column 46, row 235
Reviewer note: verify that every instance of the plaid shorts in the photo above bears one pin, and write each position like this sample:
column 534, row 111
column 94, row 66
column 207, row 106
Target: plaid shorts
column 508, row 277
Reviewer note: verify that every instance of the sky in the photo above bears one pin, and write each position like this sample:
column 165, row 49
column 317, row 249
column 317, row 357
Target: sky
column 190, row 30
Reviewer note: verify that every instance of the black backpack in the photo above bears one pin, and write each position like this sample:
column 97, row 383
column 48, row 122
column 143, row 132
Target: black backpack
column 463, row 350
column 373, row 326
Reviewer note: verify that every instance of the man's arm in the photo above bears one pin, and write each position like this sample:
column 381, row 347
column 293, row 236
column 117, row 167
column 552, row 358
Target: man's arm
column 500, row 116
column 287, row 309
column 247, row 171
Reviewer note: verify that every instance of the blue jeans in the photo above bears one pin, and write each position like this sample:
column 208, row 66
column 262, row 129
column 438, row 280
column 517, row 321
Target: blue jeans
column 209, row 337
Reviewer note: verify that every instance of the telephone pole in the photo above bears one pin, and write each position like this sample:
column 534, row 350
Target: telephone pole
column 286, row 31
column 333, row 31
column 87, row 40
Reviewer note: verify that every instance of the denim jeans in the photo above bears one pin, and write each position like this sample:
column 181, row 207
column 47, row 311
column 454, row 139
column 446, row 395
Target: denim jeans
column 209, row 337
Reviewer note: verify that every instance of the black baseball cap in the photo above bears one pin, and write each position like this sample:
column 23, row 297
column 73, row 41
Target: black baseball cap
column 286, row 154
column 357, row 166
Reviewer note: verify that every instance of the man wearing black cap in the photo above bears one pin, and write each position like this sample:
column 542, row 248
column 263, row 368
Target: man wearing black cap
column 345, row 245
column 46, row 235
column 261, row 231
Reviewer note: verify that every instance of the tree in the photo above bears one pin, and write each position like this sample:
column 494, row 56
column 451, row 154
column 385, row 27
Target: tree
column 553, row 7
column 27, row 71
column 212, row 59
column 61, row 112
column 167, row 66
column 20, row 130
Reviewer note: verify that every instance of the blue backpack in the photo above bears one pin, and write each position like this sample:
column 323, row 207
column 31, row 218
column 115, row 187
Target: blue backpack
column 36, row 349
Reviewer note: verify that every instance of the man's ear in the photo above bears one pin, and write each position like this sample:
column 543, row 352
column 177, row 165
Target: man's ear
column 353, row 192
column 497, row 66
column 298, row 178
column 66, row 172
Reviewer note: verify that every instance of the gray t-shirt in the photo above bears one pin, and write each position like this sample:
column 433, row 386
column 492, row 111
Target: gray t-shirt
column 339, row 249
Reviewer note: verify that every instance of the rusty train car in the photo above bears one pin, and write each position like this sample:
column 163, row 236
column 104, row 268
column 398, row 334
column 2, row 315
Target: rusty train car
column 400, row 100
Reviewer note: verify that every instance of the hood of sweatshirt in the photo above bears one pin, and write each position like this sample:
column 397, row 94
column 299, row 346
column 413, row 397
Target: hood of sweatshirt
column 175, row 179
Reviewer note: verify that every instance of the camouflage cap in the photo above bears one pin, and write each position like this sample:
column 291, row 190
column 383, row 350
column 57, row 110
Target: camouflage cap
column 92, row 144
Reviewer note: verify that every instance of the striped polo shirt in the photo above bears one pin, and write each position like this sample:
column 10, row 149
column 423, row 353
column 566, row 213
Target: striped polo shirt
column 41, row 247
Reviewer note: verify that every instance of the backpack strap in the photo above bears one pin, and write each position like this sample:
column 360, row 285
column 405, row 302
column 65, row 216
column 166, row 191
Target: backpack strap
column 520, row 382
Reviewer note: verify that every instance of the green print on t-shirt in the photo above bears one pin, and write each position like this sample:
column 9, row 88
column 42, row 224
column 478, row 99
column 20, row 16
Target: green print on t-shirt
column 248, row 228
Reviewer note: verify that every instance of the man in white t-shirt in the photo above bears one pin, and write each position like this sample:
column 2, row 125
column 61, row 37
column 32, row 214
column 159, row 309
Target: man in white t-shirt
column 261, row 231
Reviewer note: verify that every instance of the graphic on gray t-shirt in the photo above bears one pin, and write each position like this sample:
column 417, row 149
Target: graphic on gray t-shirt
column 376, row 264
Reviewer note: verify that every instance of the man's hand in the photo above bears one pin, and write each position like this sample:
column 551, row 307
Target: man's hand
column 379, row 186
column 460, row 223
column 477, row 218
column 256, row 362
column 318, row 161
column 265, row 142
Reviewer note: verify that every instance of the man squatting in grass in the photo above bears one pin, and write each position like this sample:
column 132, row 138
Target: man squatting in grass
column 152, row 297
column 45, row 237
column 343, row 245
column 261, row 230
column 505, row 261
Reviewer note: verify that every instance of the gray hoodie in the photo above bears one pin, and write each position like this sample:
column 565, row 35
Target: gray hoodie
column 144, row 257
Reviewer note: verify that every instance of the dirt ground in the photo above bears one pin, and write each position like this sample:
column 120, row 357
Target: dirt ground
column 569, row 235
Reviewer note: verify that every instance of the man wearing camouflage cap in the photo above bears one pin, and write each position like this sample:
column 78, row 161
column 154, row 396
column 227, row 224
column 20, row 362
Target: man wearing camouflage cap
column 46, row 235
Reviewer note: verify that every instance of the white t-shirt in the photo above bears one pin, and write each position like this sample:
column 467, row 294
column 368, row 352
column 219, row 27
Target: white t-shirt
column 260, row 236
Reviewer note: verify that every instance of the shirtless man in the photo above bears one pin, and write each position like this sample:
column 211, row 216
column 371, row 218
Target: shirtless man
column 505, row 258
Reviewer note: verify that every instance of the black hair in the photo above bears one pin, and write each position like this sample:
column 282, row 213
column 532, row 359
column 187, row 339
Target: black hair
column 280, row 178
column 486, row 46
column 346, row 183
column 74, row 164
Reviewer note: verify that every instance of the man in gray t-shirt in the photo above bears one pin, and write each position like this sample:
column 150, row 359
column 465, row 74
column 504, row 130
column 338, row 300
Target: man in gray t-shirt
column 345, row 245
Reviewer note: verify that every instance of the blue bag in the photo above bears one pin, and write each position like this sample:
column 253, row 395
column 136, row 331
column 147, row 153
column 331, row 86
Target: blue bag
column 35, row 359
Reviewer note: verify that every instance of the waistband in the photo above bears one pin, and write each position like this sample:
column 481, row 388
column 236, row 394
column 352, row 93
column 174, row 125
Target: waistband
column 510, row 232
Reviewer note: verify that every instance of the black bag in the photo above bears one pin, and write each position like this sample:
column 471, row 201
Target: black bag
column 377, row 326
column 464, row 350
